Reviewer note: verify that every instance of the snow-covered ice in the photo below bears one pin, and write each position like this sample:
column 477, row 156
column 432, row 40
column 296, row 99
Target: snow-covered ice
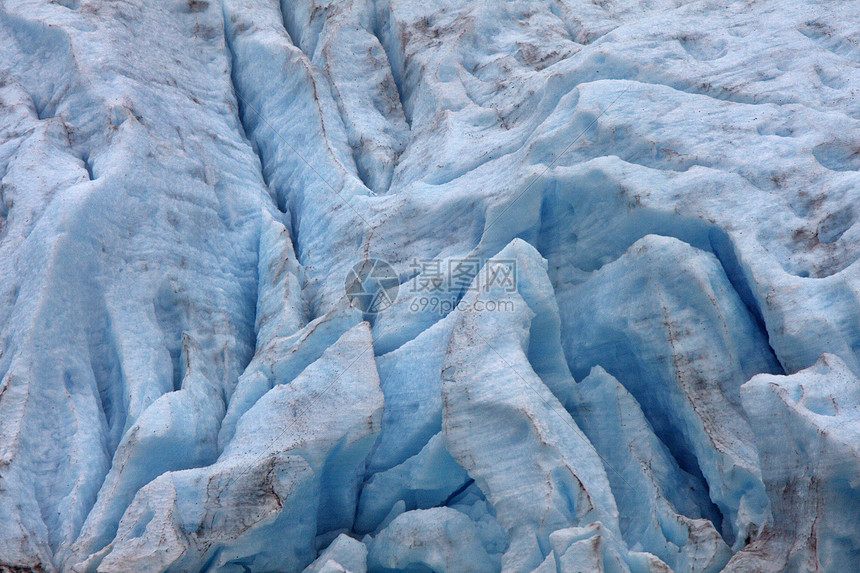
column 669, row 382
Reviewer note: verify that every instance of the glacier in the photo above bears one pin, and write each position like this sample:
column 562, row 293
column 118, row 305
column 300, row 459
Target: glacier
column 617, row 321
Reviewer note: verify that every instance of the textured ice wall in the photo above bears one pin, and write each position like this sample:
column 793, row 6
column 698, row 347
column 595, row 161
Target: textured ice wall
column 671, row 384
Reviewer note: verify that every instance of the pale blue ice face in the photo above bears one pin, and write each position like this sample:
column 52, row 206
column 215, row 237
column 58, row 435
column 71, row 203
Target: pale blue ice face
column 454, row 286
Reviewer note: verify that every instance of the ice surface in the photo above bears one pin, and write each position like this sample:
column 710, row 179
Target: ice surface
column 805, row 426
column 450, row 541
column 672, row 383
column 342, row 554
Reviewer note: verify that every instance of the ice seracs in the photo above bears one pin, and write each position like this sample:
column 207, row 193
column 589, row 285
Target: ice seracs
column 662, row 509
column 664, row 319
column 286, row 475
column 513, row 436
